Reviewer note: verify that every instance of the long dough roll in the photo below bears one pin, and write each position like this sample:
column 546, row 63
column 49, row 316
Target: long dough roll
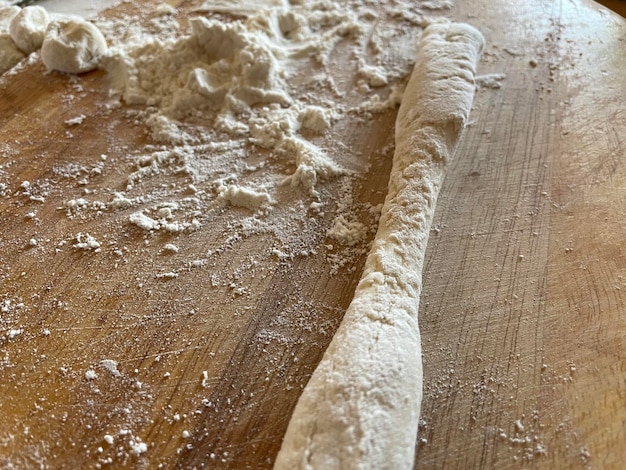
column 361, row 407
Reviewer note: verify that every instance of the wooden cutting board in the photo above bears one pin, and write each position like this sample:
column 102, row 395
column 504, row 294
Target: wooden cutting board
column 523, row 310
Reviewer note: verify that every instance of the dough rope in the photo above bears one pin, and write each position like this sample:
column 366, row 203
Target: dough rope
column 361, row 407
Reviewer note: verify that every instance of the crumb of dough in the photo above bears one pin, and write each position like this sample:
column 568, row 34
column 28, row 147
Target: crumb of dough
column 111, row 366
column 490, row 80
column 241, row 196
column 143, row 221
column 85, row 241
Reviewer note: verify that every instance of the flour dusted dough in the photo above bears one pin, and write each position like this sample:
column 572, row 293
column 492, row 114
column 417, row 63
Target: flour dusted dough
column 73, row 46
column 6, row 16
column 28, row 27
column 360, row 410
column 10, row 55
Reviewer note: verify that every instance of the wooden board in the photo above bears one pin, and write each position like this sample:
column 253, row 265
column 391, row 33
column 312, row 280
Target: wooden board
column 522, row 312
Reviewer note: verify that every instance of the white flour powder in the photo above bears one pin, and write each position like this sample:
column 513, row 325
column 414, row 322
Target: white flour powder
column 249, row 101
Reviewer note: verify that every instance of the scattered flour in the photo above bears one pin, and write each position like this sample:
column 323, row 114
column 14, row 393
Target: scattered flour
column 75, row 121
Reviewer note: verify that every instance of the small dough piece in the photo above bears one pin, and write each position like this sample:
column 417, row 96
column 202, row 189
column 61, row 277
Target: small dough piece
column 6, row 16
column 361, row 408
column 72, row 46
column 28, row 27
column 10, row 55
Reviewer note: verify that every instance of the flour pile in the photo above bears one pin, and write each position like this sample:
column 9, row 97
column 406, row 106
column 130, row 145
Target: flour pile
column 250, row 104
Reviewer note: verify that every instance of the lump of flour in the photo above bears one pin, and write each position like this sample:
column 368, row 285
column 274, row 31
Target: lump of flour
column 28, row 27
column 217, row 65
column 72, row 45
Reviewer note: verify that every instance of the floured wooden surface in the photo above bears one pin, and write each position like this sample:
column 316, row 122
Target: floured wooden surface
column 522, row 312
column 146, row 354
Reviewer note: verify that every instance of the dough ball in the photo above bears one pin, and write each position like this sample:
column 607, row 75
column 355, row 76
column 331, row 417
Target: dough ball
column 6, row 16
column 10, row 55
column 72, row 46
column 28, row 27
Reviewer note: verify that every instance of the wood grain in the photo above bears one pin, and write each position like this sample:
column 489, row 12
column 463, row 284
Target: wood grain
column 522, row 314
column 522, row 311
